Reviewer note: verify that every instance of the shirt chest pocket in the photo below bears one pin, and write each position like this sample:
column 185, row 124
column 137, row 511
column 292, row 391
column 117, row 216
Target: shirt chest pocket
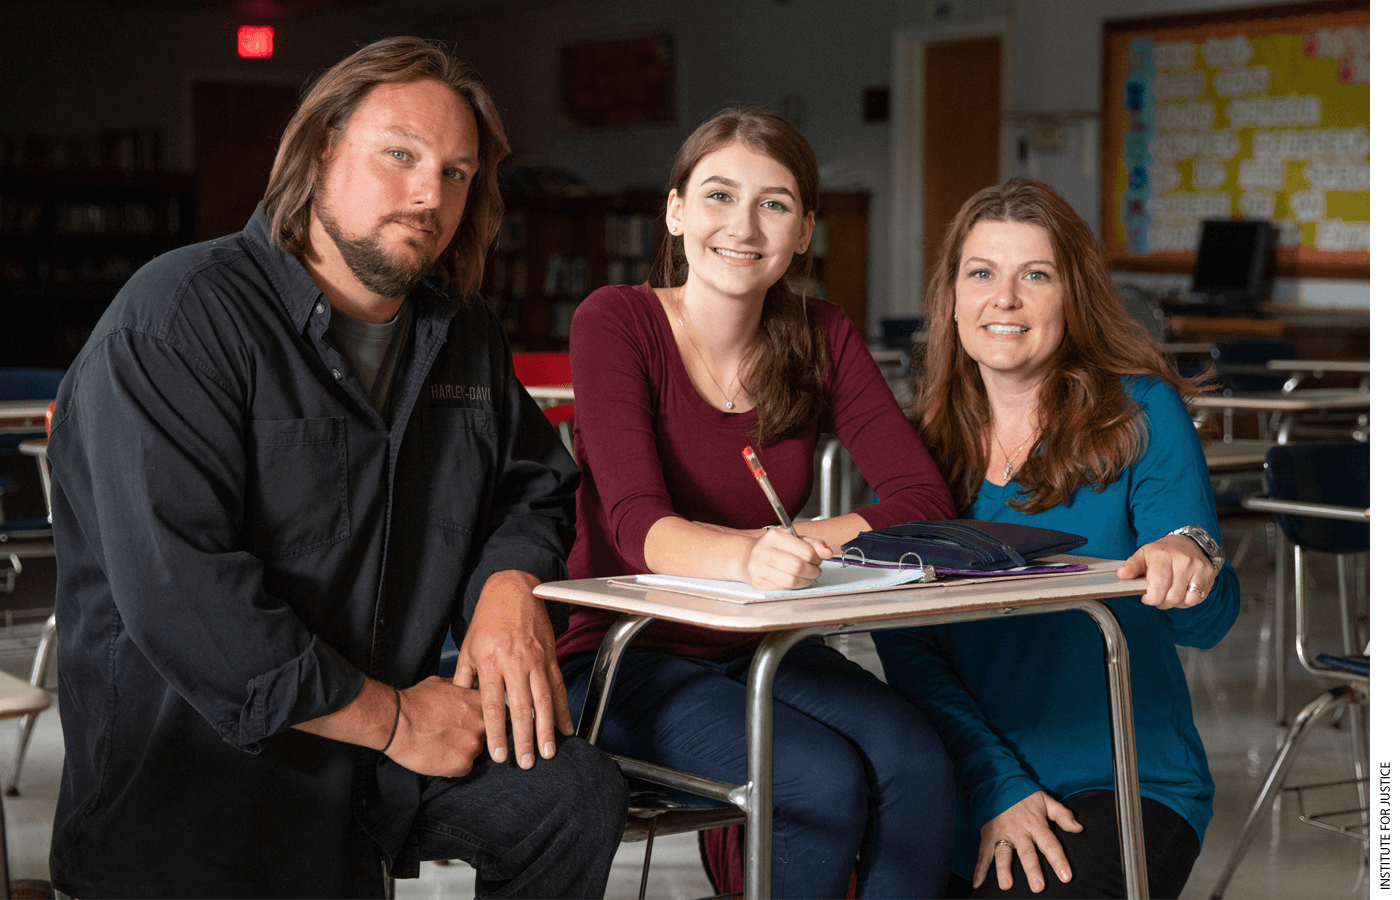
column 296, row 498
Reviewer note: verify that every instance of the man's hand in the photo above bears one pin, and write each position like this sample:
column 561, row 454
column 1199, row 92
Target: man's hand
column 509, row 653
column 435, row 728
column 440, row 729
column 1020, row 830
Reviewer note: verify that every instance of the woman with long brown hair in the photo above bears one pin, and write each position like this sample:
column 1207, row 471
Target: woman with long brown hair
column 671, row 383
column 1045, row 404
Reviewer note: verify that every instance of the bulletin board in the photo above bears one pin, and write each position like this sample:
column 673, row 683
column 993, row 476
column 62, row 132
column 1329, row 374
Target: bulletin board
column 1251, row 113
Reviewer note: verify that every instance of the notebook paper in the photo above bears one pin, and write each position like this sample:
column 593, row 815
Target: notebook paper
column 836, row 578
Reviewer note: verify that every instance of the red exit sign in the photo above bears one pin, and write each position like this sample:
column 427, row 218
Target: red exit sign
column 255, row 41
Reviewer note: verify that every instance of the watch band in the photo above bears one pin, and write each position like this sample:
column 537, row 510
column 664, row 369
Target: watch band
column 1203, row 539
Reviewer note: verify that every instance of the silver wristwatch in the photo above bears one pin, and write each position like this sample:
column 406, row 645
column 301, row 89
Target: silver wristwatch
column 1207, row 544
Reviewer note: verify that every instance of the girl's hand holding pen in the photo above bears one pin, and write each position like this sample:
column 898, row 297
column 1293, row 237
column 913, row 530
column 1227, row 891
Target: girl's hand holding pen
column 779, row 561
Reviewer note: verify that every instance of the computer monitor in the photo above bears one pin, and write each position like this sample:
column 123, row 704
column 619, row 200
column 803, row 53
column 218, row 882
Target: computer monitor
column 1234, row 265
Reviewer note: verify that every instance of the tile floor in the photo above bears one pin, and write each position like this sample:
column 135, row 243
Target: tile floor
column 1232, row 688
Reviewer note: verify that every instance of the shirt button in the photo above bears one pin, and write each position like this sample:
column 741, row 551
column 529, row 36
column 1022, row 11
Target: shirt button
column 320, row 308
column 336, row 374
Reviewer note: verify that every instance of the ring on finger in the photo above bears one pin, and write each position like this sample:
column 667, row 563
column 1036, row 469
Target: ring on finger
column 999, row 843
column 1193, row 587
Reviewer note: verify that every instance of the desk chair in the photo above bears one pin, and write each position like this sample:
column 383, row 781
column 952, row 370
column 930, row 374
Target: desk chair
column 1239, row 366
column 834, row 469
column 1145, row 309
column 26, row 536
column 653, row 808
column 537, row 369
column 44, row 652
column 1320, row 495
column 19, row 539
column 1330, row 427
column 25, row 384
column 1337, row 474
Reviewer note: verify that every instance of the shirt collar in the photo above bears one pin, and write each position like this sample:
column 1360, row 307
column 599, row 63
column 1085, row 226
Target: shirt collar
column 295, row 288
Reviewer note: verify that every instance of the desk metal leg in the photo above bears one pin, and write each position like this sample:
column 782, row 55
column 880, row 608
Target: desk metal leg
column 758, row 847
column 1280, row 628
column 1125, row 777
column 26, row 722
column 830, row 502
column 590, row 720
column 844, row 460
column 758, row 833
column 827, row 484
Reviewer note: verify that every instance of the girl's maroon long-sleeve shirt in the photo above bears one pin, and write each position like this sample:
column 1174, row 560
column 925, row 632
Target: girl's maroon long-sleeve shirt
column 651, row 447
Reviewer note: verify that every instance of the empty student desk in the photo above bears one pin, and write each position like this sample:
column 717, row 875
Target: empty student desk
column 1236, row 456
column 1290, row 403
column 1300, row 369
column 17, row 698
column 23, row 415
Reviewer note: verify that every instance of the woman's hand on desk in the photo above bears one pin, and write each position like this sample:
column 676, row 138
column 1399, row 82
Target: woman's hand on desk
column 1025, row 828
column 1178, row 573
column 779, row 561
column 768, row 559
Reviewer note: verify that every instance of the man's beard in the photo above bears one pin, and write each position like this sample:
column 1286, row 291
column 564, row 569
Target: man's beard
column 370, row 261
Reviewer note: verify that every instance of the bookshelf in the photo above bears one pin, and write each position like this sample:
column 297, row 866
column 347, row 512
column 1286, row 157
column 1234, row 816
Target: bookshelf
column 69, row 239
column 553, row 250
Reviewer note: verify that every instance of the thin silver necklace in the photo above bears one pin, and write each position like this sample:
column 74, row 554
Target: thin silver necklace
column 728, row 401
column 1006, row 470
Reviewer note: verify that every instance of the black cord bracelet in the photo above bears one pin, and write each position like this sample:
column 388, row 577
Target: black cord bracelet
column 398, row 705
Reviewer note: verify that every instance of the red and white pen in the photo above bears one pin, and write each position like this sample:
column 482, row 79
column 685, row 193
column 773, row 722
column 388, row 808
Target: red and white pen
column 762, row 477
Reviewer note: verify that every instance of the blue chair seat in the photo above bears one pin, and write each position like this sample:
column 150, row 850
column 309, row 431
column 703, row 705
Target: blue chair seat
column 447, row 662
column 1357, row 665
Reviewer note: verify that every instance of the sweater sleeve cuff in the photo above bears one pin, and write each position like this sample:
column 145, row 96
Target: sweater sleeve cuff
column 996, row 799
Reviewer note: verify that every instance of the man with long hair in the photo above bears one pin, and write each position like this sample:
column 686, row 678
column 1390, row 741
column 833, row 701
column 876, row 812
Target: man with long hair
column 287, row 463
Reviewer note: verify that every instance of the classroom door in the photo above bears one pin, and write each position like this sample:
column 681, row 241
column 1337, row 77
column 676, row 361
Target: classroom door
column 236, row 130
column 962, row 129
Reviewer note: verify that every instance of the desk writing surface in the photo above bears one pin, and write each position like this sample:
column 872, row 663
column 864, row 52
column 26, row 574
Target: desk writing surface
column 1345, row 366
column 1237, row 454
column 1304, row 400
column 1099, row 582
column 563, row 393
column 23, row 412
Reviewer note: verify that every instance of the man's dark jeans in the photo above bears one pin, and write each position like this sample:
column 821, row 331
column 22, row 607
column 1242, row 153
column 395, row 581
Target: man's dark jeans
column 549, row 831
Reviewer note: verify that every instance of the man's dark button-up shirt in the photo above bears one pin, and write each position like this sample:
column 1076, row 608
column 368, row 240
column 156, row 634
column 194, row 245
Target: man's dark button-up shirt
column 242, row 539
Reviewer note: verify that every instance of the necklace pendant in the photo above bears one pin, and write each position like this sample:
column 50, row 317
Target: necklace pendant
column 729, row 404
column 1006, row 471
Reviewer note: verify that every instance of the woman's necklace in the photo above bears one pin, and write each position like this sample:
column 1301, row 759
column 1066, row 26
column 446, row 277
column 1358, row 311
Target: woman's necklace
column 1010, row 457
column 728, row 400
